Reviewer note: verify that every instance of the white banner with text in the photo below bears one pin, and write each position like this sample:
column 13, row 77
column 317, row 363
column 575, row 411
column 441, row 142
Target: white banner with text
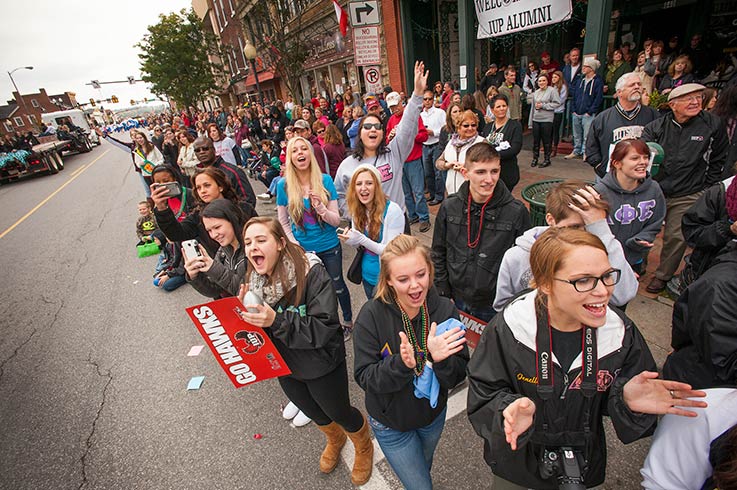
column 502, row 17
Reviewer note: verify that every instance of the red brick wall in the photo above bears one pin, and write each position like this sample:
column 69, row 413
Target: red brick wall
column 393, row 41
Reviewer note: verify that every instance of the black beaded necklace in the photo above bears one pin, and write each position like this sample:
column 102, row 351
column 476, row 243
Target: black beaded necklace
column 420, row 347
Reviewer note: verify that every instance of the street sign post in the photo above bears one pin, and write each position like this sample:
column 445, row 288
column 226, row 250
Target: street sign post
column 372, row 77
column 366, row 46
column 365, row 13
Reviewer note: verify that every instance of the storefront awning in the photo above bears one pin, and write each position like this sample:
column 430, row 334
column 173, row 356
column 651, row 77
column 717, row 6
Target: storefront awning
column 264, row 76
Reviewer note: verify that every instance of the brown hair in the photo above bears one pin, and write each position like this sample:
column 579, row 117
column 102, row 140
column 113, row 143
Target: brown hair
column 725, row 471
column 708, row 94
column 360, row 213
column 147, row 147
column 622, row 148
column 220, row 133
column 332, row 135
column 187, row 134
column 317, row 125
column 450, row 125
column 561, row 80
column 469, row 116
column 481, row 152
column 290, row 250
column 686, row 69
column 220, row 179
column 548, row 254
column 492, row 92
column 146, row 203
column 400, row 246
column 560, row 196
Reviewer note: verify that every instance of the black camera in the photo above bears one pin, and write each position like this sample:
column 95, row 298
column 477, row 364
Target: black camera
column 565, row 464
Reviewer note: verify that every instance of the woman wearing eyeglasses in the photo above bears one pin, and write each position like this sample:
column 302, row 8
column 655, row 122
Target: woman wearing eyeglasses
column 554, row 362
column 452, row 158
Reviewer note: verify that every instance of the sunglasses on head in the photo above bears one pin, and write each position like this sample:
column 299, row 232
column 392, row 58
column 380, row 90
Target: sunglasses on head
column 372, row 126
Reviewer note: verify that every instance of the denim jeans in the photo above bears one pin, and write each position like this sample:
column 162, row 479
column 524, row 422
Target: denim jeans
column 146, row 181
column 332, row 259
column 368, row 289
column 173, row 283
column 581, row 125
column 410, row 453
column 413, row 185
column 482, row 313
column 435, row 186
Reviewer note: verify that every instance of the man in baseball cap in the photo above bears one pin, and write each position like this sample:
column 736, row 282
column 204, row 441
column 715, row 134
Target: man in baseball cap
column 695, row 144
column 588, row 94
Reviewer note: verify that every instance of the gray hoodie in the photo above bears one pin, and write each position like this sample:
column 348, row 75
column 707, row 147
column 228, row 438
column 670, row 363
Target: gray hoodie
column 390, row 164
column 515, row 273
column 633, row 215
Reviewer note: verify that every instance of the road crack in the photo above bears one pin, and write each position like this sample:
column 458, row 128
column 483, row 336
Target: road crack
column 88, row 441
column 20, row 346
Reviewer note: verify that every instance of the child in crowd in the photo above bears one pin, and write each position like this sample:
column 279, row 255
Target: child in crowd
column 570, row 204
column 146, row 223
column 169, row 273
column 270, row 167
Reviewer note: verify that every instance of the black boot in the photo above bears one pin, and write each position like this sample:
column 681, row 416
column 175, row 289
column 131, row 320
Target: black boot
column 534, row 161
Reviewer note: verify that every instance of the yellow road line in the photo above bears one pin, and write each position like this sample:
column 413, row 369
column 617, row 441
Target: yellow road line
column 77, row 173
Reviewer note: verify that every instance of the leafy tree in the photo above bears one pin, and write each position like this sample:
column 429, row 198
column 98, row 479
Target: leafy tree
column 176, row 58
column 283, row 36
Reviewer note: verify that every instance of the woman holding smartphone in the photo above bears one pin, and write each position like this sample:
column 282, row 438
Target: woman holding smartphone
column 300, row 315
column 395, row 346
column 178, row 198
column 219, row 276
column 208, row 184
column 554, row 361
column 376, row 221
column 307, row 206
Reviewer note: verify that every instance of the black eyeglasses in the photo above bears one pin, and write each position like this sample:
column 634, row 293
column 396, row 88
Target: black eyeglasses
column 372, row 126
column 469, row 125
column 589, row 283
column 427, row 98
column 203, row 148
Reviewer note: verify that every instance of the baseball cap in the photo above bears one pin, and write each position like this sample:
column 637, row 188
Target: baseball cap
column 372, row 103
column 301, row 124
column 393, row 99
column 685, row 89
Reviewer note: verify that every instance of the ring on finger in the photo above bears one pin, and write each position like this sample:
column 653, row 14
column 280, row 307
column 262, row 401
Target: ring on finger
column 672, row 394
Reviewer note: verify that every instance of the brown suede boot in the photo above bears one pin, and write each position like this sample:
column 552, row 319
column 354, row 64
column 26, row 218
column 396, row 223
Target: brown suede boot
column 364, row 462
column 336, row 440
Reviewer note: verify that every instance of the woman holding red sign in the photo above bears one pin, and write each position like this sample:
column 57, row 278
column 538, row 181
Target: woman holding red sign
column 299, row 312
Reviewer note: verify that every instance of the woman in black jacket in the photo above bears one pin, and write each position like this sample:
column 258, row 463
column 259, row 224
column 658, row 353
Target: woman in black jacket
column 395, row 348
column 554, row 361
column 300, row 314
column 505, row 135
column 208, row 184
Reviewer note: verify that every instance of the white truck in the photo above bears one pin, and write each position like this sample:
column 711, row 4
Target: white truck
column 78, row 119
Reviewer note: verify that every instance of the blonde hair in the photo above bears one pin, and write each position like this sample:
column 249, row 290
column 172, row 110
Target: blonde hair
column 296, row 206
column 400, row 246
column 367, row 217
column 549, row 252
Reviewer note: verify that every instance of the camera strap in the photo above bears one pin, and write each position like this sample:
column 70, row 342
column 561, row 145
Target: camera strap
column 544, row 358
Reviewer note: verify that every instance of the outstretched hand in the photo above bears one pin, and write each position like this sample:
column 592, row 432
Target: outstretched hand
column 645, row 394
column 420, row 78
column 518, row 417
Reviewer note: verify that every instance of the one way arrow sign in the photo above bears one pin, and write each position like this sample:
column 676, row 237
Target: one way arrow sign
column 365, row 13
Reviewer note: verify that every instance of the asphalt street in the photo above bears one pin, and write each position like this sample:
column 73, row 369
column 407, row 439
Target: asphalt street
column 94, row 365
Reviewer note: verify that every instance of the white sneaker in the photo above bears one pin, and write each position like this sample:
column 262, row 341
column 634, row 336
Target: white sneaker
column 264, row 197
column 301, row 420
column 290, row 411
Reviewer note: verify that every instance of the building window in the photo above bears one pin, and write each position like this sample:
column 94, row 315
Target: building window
column 33, row 119
column 232, row 10
column 222, row 12
column 34, row 103
column 18, row 121
column 8, row 126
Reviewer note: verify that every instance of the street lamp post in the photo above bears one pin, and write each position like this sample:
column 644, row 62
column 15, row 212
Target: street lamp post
column 250, row 52
column 10, row 74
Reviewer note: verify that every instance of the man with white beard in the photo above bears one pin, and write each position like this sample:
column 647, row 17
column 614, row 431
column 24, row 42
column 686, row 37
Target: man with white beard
column 625, row 120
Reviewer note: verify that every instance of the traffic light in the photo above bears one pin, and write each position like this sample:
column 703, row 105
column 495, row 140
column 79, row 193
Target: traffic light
column 133, row 102
column 92, row 102
column 114, row 99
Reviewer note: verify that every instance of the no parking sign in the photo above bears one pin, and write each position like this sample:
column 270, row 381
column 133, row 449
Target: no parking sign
column 372, row 77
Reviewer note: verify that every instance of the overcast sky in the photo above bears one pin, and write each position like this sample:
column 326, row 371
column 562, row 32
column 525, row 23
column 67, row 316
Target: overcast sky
column 70, row 42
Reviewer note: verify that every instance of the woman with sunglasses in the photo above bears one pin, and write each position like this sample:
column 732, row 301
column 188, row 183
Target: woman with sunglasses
column 555, row 361
column 372, row 149
column 452, row 158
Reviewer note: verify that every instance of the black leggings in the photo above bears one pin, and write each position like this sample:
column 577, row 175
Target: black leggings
column 557, row 120
column 325, row 399
column 544, row 131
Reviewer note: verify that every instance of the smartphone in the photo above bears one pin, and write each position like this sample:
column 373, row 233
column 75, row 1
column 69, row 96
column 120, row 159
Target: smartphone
column 340, row 231
column 172, row 189
column 252, row 298
column 191, row 249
